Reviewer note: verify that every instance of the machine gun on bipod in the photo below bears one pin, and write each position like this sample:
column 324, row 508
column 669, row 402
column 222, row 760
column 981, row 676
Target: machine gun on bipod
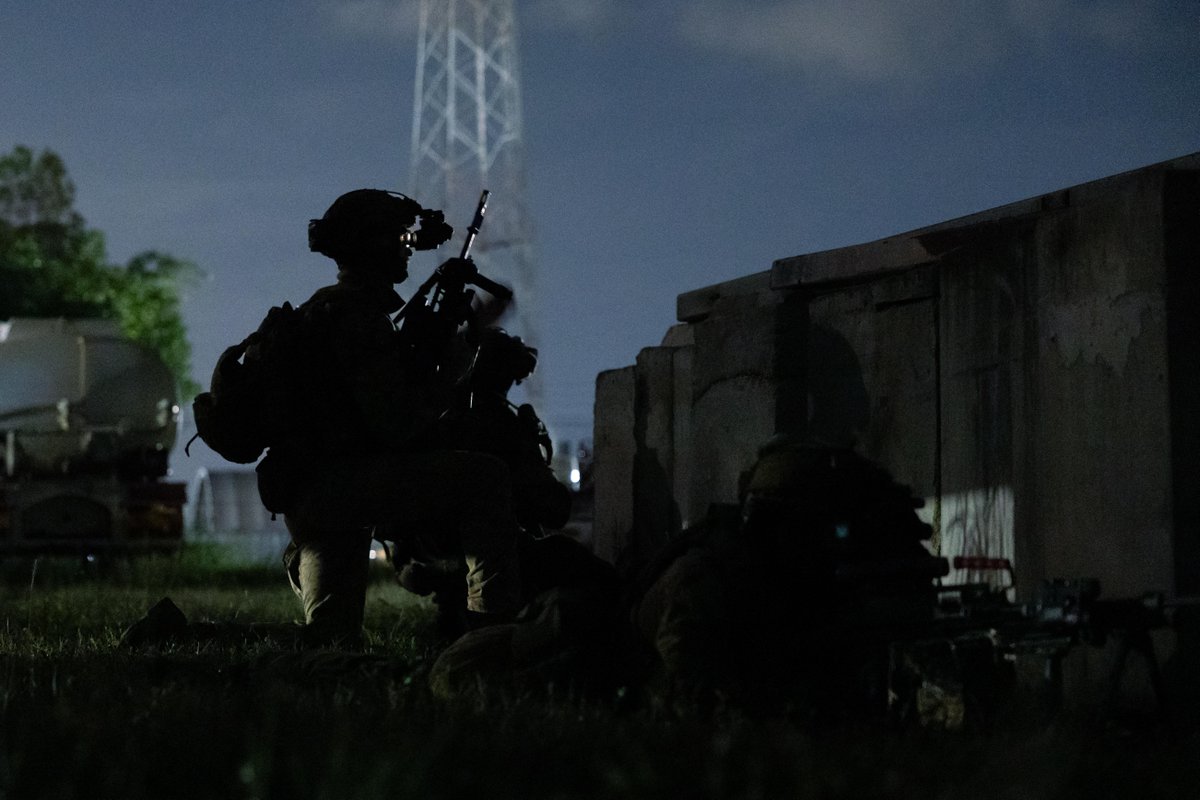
column 961, row 661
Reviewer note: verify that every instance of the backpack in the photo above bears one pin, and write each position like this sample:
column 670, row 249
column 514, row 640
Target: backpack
column 251, row 399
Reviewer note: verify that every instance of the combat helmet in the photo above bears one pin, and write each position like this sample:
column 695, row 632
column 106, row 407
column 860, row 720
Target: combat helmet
column 831, row 503
column 502, row 360
column 356, row 224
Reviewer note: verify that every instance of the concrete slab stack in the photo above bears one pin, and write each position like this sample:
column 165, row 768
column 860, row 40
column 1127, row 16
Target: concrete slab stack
column 1031, row 370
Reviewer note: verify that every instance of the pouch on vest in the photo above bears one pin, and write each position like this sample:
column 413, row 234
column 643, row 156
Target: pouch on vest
column 277, row 482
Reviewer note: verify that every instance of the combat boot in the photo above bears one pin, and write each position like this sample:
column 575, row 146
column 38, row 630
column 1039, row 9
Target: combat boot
column 332, row 579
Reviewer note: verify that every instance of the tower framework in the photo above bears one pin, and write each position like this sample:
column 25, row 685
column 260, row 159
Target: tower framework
column 466, row 137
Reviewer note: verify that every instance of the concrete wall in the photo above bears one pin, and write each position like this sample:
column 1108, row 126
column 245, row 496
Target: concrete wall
column 677, row 430
column 1181, row 249
column 1018, row 367
column 1097, row 425
column 1031, row 370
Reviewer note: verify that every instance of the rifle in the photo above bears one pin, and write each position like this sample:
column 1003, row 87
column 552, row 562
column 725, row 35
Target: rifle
column 430, row 321
column 973, row 635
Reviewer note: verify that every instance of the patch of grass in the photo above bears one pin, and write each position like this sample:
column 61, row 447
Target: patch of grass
column 193, row 565
column 235, row 718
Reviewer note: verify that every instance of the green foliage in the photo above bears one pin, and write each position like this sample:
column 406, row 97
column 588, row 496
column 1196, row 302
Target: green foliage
column 37, row 190
column 53, row 265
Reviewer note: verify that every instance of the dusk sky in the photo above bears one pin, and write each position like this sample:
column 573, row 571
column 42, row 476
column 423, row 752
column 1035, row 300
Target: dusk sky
column 669, row 145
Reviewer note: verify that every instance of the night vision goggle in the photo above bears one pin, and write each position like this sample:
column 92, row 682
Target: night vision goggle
column 358, row 211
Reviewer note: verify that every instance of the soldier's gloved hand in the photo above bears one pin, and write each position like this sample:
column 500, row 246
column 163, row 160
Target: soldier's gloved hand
column 459, row 269
column 464, row 269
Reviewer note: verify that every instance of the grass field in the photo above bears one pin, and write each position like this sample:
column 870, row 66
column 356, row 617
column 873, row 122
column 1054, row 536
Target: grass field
column 82, row 718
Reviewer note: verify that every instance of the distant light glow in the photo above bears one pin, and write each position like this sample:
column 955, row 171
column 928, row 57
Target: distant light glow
column 575, row 475
column 373, row 555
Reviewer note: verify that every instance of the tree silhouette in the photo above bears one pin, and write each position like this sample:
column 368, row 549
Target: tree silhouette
column 53, row 265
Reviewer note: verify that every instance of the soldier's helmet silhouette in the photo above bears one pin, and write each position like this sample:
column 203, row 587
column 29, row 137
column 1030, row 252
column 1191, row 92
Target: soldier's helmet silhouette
column 503, row 360
column 369, row 224
column 828, row 501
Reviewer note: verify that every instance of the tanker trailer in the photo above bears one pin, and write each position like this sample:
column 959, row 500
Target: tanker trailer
column 87, row 422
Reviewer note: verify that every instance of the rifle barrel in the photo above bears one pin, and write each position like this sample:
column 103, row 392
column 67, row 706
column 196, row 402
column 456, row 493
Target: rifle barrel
column 476, row 223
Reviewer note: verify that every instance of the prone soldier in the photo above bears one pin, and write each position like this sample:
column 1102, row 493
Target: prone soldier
column 757, row 605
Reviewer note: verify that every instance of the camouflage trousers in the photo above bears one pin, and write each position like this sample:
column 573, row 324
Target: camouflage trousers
column 461, row 501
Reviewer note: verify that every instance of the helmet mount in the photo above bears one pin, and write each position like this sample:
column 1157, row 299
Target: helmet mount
column 356, row 224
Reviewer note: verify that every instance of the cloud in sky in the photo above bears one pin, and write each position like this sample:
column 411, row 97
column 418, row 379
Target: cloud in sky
column 578, row 16
column 375, row 18
column 866, row 41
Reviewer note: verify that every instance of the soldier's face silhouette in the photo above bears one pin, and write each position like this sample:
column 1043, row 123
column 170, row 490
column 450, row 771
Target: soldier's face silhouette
column 385, row 254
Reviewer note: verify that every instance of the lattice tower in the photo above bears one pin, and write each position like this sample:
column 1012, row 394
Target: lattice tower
column 467, row 137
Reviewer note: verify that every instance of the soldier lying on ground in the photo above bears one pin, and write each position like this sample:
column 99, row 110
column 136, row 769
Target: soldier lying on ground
column 749, row 606
column 758, row 607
